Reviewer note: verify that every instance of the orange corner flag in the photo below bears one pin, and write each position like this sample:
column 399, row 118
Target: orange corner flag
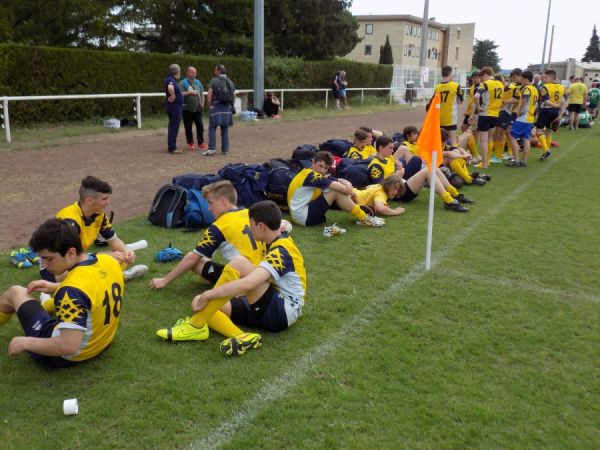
column 430, row 139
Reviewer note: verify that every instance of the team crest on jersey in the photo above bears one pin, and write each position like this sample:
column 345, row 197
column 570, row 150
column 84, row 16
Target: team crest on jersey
column 376, row 172
column 207, row 239
column 102, row 273
column 275, row 260
column 68, row 311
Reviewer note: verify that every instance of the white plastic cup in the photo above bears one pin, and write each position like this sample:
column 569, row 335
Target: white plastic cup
column 138, row 245
column 70, row 406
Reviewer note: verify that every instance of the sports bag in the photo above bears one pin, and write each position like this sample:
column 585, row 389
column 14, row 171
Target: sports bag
column 168, row 207
column 196, row 214
column 195, row 180
column 278, row 184
column 337, row 147
column 304, row 152
column 356, row 171
column 249, row 180
column 292, row 164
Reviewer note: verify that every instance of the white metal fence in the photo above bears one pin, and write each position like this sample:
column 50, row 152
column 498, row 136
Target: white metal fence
column 137, row 98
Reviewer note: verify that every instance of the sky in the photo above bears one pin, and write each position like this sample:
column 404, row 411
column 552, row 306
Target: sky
column 573, row 23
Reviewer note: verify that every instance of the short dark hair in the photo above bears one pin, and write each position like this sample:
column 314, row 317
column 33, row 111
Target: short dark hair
column 487, row 70
column 527, row 74
column 516, row 71
column 446, row 71
column 409, row 130
column 551, row 72
column 382, row 141
column 266, row 212
column 92, row 186
column 324, row 156
column 361, row 135
column 367, row 129
column 56, row 235
column 221, row 68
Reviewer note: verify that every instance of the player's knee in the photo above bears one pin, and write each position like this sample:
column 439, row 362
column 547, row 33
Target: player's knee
column 17, row 292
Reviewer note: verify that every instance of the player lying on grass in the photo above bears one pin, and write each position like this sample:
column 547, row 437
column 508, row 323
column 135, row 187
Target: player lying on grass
column 229, row 234
column 273, row 291
column 376, row 196
column 87, row 302
column 414, row 173
column 312, row 192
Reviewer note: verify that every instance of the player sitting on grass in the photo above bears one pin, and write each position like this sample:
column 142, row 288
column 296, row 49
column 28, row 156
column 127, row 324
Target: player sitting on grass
column 273, row 292
column 88, row 218
column 362, row 147
column 229, row 234
column 456, row 158
column 383, row 163
column 312, row 192
column 87, row 302
column 408, row 148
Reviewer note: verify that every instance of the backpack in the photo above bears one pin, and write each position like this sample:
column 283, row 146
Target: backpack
column 337, row 147
column 167, row 209
column 291, row 164
column 224, row 91
column 278, row 184
column 356, row 171
column 304, row 151
column 249, row 180
column 196, row 214
column 195, row 180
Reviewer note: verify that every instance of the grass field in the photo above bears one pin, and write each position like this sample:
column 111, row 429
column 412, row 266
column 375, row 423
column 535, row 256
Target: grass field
column 495, row 347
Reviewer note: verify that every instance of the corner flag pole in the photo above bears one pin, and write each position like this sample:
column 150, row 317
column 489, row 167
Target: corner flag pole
column 430, row 215
column 429, row 144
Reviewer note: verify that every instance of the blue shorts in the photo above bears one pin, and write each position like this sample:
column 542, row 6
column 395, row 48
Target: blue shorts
column 545, row 117
column 485, row 123
column 413, row 166
column 504, row 120
column 316, row 211
column 268, row 313
column 37, row 322
column 521, row 130
column 342, row 93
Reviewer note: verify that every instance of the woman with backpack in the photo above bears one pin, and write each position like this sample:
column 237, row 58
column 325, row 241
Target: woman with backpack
column 220, row 100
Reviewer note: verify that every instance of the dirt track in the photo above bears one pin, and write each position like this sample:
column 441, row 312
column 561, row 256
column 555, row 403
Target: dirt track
column 36, row 183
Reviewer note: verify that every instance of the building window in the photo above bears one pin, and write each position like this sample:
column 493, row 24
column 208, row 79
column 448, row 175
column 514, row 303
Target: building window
column 407, row 30
column 458, row 35
column 368, row 50
column 418, row 31
column 368, row 28
column 405, row 50
column 428, row 53
column 456, row 53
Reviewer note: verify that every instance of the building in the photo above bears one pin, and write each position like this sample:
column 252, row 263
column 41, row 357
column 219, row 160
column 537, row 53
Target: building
column 588, row 71
column 447, row 44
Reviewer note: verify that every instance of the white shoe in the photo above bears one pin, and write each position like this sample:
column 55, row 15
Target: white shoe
column 135, row 272
column 371, row 221
column 333, row 230
column 209, row 152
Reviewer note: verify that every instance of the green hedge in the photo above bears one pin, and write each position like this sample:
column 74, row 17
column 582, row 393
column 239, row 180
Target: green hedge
column 27, row 70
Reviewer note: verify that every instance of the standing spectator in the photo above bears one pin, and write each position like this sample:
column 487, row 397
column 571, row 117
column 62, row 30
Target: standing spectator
column 577, row 96
column 335, row 89
column 174, row 107
column 220, row 100
column 193, row 104
column 271, row 106
column 343, row 83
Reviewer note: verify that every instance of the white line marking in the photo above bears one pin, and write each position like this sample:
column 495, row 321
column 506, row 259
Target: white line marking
column 521, row 285
column 276, row 389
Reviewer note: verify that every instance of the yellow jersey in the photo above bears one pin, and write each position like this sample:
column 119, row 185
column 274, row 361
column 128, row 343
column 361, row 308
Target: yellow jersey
column 90, row 299
column 509, row 94
column 231, row 235
column 577, row 93
column 370, row 194
column 305, row 187
column 367, row 152
column 88, row 228
column 285, row 264
column 472, row 90
column 412, row 147
column 553, row 92
column 490, row 99
column 379, row 169
column 450, row 96
column 528, row 102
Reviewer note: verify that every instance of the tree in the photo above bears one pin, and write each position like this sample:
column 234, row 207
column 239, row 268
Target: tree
column 484, row 54
column 385, row 52
column 592, row 53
